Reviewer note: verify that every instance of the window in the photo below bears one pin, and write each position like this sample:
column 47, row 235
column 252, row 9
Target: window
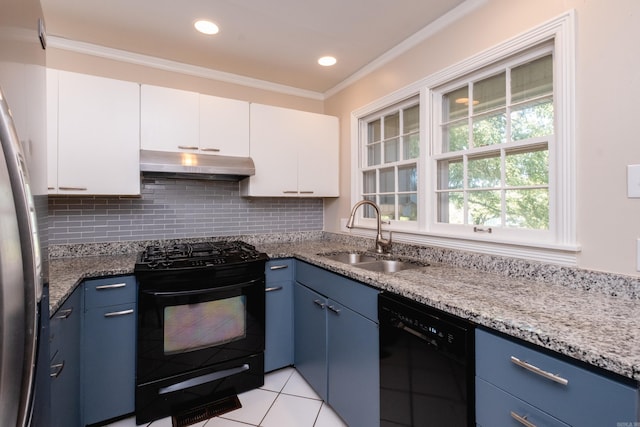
column 491, row 148
column 389, row 162
column 479, row 156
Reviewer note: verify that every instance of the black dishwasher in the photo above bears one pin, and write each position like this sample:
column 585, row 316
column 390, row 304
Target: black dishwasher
column 426, row 366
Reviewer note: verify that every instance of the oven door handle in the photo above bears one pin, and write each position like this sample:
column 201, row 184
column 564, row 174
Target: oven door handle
column 200, row 291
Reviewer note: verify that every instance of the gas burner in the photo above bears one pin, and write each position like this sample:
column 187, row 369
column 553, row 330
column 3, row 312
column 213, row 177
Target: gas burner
column 196, row 255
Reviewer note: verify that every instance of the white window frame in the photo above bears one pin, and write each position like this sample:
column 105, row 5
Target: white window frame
column 560, row 245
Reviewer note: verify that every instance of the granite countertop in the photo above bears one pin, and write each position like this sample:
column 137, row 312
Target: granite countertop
column 599, row 328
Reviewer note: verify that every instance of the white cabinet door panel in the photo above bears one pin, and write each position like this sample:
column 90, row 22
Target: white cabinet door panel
column 224, row 126
column 168, row 119
column 98, row 135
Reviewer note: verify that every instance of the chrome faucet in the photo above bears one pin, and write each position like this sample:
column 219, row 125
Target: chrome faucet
column 383, row 246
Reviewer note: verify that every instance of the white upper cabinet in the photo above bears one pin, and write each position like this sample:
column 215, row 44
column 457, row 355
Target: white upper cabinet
column 296, row 154
column 224, row 126
column 182, row 121
column 93, row 132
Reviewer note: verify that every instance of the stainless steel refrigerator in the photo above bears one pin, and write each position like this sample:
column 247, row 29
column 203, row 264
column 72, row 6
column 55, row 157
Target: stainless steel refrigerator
column 20, row 279
column 23, row 311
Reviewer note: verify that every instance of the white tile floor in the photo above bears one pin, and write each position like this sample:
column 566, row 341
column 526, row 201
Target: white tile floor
column 285, row 400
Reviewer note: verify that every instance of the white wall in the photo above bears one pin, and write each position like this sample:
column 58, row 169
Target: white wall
column 607, row 112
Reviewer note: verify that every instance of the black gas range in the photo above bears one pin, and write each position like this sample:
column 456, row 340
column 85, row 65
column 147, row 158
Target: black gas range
column 200, row 326
column 198, row 256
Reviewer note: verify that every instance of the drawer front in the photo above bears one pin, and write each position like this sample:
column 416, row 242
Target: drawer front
column 109, row 291
column 587, row 398
column 495, row 407
column 357, row 296
column 279, row 270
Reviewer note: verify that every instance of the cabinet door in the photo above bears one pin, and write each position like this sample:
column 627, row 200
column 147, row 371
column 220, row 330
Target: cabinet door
column 98, row 135
column 65, row 362
column 310, row 341
column 318, row 155
column 224, row 126
column 168, row 119
column 278, row 351
column 274, row 139
column 353, row 371
column 52, row 131
column 109, row 362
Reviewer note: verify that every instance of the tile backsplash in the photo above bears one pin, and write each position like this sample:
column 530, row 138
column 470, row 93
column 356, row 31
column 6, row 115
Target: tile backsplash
column 175, row 209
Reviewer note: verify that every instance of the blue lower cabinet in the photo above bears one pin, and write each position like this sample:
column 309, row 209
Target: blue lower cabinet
column 109, row 362
column 337, row 344
column 278, row 314
column 64, row 347
column 563, row 391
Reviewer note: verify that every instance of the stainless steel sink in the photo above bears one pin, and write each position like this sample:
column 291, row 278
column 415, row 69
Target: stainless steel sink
column 387, row 265
column 372, row 262
column 351, row 258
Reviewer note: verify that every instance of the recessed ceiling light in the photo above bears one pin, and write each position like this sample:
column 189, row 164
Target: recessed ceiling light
column 206, row 27
column 327, row 61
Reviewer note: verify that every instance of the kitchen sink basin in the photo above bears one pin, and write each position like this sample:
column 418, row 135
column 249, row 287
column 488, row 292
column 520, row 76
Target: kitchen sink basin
column 387, row 265
column 351, row 258
column 373, row 262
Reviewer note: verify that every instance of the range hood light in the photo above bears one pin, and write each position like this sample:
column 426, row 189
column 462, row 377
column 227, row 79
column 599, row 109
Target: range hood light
column 189, row 160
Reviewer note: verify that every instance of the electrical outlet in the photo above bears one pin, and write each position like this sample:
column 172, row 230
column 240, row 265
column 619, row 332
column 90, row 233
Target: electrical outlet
column 633, row 181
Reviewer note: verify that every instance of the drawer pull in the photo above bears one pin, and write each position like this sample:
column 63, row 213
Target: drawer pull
column 522, row 420
column 306, row 192
column 64, row 314
column 536, row 370
column 119, row 313
column 279, row 267
column 273, row 289
column 187, row 147
column 290, row 191
column 73, row 188
column 319, row 303
column 56, row 370
column 113, row 286
column 214, row 150
column 334, row 309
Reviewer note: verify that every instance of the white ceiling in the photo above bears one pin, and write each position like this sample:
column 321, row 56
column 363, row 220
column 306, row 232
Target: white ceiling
column 277, row 41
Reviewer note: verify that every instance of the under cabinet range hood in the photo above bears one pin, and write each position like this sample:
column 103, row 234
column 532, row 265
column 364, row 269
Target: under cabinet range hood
column 195, row 166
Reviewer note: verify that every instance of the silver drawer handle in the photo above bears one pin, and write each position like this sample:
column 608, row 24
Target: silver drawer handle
column 306, row 192
column 290, row 192
column 214, row 150
column 57, row 370
column 332, row 308
column 319, row 303
column 275, row 288
column 119, row 313
column 73, row 188
column 536, row 370
column 113, row 286
column 522, row 420
column 279, row 267
column 63, row 314
column 187, row 147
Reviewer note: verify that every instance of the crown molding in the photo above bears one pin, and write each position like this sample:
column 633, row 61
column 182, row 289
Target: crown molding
column 178, row 67
column 445, row 20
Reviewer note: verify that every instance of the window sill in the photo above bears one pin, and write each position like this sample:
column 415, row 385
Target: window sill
column 566, row 255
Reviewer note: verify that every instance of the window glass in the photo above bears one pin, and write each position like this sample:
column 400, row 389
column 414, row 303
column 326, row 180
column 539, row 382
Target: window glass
column 490, row 129
column 387, row 180
column 484, row 172
column 532, row 79
column 532, row 119
column 490, row 93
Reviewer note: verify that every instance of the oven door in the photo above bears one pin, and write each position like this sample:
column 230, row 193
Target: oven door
column 197, row 326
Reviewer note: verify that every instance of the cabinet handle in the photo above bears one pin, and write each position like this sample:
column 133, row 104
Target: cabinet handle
column 119, row 313
column 319, row 303
column 187, row 147
column 536, row 370
column 279, row 267
column 275, row 288
column 334, row 309
column 214, row 150
column 51, row 188
column 290, row 192
column 522, row 420
column 307, row 192
column 56, row 370
column 73, row 188
column 63, row 314
column 113, row 286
